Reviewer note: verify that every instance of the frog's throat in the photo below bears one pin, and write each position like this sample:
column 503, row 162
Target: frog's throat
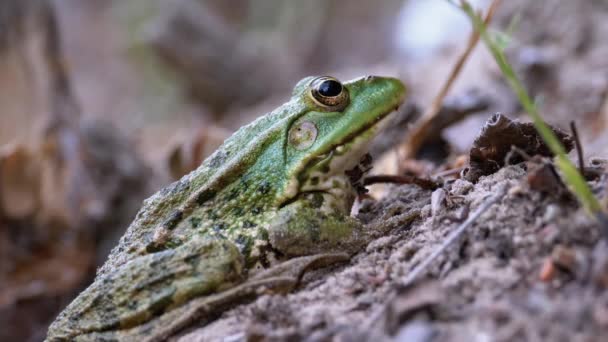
column 326, row 173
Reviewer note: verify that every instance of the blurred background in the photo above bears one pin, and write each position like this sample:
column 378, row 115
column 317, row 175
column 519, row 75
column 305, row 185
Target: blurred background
column 104, row 102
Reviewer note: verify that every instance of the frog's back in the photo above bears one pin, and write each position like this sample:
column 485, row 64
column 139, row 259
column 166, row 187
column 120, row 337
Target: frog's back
column 217, row 174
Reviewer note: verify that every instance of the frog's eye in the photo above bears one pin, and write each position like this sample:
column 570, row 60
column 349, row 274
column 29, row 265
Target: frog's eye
column 329, row 93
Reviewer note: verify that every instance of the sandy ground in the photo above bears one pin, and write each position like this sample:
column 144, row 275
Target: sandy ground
column 494, row 284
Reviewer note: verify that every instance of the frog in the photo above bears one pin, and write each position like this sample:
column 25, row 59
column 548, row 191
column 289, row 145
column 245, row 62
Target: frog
column 271, row 203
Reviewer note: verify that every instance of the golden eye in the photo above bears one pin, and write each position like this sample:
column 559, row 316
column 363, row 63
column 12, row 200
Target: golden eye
column 329, row 93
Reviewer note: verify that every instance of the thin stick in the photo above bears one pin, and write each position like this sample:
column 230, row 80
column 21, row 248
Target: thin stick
column 449, row 172
column 424, row 183
column 410, row 146
column 416, row 272
column 579, row 148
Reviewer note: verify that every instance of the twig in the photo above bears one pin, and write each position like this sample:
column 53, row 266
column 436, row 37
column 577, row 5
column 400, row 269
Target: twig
column 410, row 146
column 579, row 148
column 448, row 172
column 413, row 275
column 424, row 183
column 418, row 270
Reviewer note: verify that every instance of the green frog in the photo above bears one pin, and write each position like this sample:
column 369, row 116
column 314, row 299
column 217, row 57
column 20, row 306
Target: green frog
column 272, row 202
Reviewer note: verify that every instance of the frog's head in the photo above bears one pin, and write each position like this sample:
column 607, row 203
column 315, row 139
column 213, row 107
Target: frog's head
column 331, row 134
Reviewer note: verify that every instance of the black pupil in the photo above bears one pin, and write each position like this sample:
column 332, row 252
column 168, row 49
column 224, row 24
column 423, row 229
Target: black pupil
column 330, row 88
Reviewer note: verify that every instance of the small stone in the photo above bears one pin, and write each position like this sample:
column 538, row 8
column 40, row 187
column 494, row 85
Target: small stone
column 518, row 241
column 565, row 258
column 416, row 331
column 365, row 301
column 551, row 213
column 547, row 271
column 438, row 202
column 516, row 191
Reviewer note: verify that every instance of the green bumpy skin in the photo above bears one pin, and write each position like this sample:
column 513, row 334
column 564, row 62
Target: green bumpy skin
column 274, row 190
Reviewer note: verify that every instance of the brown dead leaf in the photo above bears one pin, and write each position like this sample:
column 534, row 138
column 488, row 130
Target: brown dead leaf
column 495, row 142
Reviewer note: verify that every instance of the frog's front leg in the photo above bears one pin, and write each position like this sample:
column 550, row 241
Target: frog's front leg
column 146, row 287
column 310, row 225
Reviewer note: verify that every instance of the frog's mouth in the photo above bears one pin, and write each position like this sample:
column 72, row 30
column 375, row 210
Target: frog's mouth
column 326, row 173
